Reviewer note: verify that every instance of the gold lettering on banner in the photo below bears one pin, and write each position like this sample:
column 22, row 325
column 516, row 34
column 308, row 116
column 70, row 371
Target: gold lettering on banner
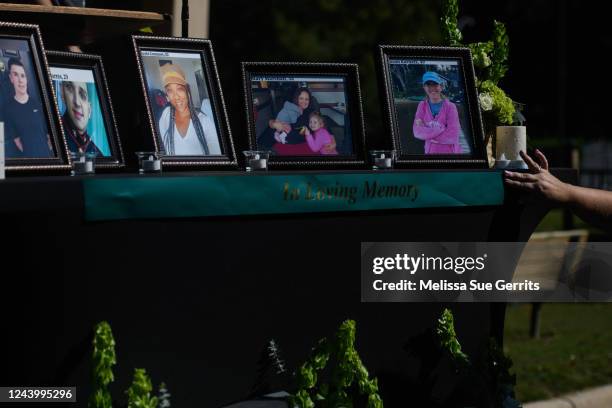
column 376, row 190
column 290, row 194
column 347, row 193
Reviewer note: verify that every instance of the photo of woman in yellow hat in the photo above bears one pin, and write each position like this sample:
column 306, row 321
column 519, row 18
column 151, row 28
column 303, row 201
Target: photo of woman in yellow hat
column 185, row 129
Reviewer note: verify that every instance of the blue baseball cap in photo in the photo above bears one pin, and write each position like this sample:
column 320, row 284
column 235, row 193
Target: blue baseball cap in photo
column 432, row 76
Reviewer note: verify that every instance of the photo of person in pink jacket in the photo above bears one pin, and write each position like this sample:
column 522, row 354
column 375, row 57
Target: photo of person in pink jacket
column 437, row 120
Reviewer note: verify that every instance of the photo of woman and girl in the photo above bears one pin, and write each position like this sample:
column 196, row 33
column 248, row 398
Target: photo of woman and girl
column 300, row 128
column 430, row 107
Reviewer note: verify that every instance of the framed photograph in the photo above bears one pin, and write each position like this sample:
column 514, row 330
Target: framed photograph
column 32, row 129
column 184, row 102
column 431, row 106
column 85, row 107
column 305, row 114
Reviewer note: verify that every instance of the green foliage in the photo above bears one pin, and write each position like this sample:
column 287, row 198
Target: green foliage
column 499, row 364
column 139, row 393
column 163, row 396
column 445, row 330
column 490, row 63
column 450, row 31
column 498, row 378
column 103, row 360
column 347, row 370
column 481, row 55
column 502, row 110
column 499, row 53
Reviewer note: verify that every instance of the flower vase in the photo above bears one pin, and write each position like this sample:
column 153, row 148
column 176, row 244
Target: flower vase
column 510, row 141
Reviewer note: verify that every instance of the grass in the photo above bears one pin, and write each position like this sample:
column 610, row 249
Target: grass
column 553, row 221
column 573, row 353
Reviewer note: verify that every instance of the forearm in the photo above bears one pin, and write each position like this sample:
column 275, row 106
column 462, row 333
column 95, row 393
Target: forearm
column 312, row 143
column 426, row 133
column 591, row 205
column 449, row 136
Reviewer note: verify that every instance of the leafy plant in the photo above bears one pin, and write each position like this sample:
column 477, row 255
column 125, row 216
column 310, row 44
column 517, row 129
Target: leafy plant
column 163, row 396
column 501, row 108
column 103, row 360
column 490, row 63
column 499, row 380
column 450, row 30
column 139, row 393
column 347, row 370
column 271, row 371
column 445, row 331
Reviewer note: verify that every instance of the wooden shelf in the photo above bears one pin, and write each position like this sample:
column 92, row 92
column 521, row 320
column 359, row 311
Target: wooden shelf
column 79, row 25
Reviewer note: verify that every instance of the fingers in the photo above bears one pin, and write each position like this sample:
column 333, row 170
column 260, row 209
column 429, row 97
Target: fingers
column 519, row 184
column 542, row 159
column 533, row 166
column 521, row 177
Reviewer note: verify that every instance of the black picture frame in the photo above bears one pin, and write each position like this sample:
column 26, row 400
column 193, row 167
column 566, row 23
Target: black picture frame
column 282, row 72
column 207, row 82
column 93, row 63
column 400, row 77
column 24, row 41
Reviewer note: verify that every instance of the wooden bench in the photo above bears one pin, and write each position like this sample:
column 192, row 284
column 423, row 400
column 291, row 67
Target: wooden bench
column 545, row 259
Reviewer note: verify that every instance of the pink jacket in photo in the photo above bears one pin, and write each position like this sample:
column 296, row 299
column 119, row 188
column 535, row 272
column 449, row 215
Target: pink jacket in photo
column 318, row 139
column 441, row 134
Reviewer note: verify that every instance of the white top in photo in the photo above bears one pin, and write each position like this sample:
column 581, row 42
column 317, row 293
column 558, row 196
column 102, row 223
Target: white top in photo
column 190, row 145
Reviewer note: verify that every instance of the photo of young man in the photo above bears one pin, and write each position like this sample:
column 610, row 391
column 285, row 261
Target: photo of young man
column 26, row 134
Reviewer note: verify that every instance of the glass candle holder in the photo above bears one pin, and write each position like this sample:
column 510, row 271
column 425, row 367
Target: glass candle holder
column 149, row 162
column 256, row 160
column 83, row 163
column 382, row 159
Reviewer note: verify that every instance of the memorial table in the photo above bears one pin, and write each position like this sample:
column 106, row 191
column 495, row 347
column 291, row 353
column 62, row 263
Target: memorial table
column 194, row 286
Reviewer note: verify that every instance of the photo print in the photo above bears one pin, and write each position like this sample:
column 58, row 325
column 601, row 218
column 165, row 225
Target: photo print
column 432, row 106
column 184, row 102
column 305, row 114
column 180, row 102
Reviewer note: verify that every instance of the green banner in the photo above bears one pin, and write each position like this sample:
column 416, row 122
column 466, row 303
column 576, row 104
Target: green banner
column 249, row 194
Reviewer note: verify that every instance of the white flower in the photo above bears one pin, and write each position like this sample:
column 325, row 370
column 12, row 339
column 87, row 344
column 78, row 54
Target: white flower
column 486, row 101
column 486, row 60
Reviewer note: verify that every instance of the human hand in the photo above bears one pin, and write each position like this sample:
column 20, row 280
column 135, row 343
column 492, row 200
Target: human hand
column 305, row 131
column 539, row 181
column 330, row 147
column 278, row 126
column 285, row 127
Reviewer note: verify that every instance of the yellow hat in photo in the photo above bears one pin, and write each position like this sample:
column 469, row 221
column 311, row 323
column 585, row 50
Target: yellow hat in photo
column 172, row 74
